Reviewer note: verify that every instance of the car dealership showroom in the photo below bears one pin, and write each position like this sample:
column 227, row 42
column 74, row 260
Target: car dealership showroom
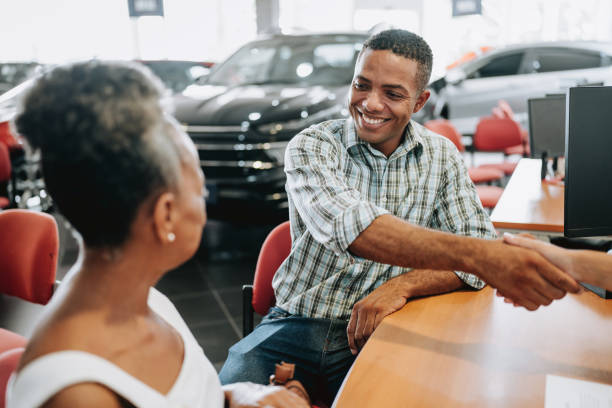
column 296, row 203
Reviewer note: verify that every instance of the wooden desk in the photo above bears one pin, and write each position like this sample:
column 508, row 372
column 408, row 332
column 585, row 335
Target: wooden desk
column 527, row 203
column 470, row 349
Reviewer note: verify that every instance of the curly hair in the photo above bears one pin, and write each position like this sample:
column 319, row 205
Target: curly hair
column 104, row 142
column 408, row 45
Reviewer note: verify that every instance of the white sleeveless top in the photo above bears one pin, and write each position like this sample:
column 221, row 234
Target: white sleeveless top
column 197, row 384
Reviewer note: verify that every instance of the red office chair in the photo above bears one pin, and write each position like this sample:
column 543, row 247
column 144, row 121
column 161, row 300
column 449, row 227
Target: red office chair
column 489, row 195
column 29, row 243
column 29, row 246
column 494, row 135
column 8, row 138
column 10, row 340
column 503, row 110
column 5, row 175
column 477, row 175
column 9, row 360
column 259, row 297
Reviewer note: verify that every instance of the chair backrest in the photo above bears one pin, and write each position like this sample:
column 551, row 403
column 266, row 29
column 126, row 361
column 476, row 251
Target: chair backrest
column 505, row 109
column 445, row 128
column 9, row 360
column 274, row 251
column 7, row 137
column 10, row 340
column 5, row 164
column 496, row 112
column 29, row 245
column 495, row 134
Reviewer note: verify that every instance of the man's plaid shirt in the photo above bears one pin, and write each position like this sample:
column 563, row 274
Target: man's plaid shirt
column 337, row 185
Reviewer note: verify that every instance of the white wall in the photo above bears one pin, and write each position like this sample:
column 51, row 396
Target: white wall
column 60, row 30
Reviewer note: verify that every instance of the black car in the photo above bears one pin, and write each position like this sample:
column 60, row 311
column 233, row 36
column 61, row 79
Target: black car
column 244, row 113
column 177, row 74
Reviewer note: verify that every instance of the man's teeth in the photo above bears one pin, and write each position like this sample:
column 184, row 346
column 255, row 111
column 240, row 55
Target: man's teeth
column 372, row 121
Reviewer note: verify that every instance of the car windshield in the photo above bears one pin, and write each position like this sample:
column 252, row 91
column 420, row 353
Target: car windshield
column 177, row 75
column 318, row 61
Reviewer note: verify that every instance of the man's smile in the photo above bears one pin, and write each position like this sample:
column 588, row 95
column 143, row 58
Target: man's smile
column 372, row 120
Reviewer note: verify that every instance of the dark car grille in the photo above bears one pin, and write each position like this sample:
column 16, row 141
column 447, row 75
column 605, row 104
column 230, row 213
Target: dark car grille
column 228, row 156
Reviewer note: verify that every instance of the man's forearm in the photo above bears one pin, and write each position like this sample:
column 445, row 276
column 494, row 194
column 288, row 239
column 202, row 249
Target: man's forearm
column 393, row 241
column 425, row 282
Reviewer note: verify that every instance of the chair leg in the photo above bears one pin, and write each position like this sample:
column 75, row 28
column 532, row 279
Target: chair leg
column 247, row 309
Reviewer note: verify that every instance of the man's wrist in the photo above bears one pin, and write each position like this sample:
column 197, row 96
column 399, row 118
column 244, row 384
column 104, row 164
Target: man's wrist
column 474, row 255
column 404, row 283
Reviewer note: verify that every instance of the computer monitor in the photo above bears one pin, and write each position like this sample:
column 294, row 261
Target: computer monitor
column 588, row 162
column 547, row 126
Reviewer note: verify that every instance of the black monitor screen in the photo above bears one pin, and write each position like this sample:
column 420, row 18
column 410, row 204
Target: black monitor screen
column 547, row 126
column 588, row 165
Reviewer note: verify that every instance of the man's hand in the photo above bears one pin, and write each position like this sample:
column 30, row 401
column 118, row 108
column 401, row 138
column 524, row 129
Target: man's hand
column 250, row 395
column 525, row 277
column 369, row 311
column 392, row 296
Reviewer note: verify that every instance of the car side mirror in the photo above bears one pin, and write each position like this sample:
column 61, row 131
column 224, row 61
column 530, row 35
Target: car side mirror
column 201, row 80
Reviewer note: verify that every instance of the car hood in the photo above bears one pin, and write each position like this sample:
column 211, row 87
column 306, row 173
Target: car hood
column 256, row 104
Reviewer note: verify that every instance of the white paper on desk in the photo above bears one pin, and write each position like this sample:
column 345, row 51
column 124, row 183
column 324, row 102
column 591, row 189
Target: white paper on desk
column 562, row 392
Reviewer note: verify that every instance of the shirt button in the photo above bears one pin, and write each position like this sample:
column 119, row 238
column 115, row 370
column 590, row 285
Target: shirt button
column 384, row 199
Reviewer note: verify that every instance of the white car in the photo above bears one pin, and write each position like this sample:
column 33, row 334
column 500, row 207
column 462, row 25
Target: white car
column 515, row 74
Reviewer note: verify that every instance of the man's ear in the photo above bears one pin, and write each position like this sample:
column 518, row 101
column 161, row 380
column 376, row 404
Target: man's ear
column 164, row 217
column 423, row 97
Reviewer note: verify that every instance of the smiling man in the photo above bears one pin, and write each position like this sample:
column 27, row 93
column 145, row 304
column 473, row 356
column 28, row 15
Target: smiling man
column 362, row 193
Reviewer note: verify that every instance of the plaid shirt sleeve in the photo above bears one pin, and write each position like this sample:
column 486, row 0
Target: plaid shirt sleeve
column 333, row 212
column 459, row 209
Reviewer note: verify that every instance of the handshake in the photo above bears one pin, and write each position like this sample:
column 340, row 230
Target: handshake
column 534, row 278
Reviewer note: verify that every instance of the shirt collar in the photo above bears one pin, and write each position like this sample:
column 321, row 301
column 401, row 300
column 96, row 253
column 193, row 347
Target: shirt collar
column 412, row 138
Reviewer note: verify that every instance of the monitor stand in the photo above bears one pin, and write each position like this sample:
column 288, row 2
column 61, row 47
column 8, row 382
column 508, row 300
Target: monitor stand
column 544, row 169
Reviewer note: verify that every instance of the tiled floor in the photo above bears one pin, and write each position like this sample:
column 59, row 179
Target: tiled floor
column 207, row 293
column 206, row 290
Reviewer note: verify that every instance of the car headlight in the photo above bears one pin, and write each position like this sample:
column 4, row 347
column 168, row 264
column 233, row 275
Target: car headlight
column 304, row 121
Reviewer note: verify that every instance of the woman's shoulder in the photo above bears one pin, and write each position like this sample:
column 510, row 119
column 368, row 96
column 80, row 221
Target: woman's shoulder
column 66, row 377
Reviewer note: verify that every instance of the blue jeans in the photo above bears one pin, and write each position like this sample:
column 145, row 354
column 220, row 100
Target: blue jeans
column 318, row 348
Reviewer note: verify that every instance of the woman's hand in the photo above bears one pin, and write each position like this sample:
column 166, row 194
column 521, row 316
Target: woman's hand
column 250, row 395
column 561, row 258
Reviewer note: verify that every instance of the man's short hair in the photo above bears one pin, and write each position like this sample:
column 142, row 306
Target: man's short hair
column 408, row 45
column 106, row 146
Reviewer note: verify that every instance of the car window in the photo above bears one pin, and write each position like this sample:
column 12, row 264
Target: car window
column 177, row 75
column 249, row 65
column 562, row 60
column 507, row 64
column 304, row 62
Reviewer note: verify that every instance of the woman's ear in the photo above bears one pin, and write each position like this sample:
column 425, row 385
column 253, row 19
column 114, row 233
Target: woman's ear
column 165, row 217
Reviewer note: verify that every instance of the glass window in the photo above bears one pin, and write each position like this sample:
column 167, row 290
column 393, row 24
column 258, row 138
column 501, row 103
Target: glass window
column 562, row 60
column 296, row 61
column 177, row 75
column 508, row 64
column 249, row 66
column 334, row 55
